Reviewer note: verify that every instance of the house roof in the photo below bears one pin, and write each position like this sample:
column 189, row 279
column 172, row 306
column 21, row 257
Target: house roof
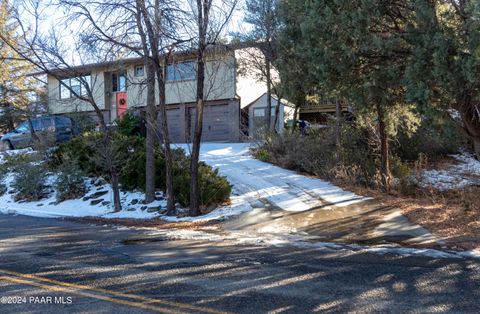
column 283, row 101
column 185, row 54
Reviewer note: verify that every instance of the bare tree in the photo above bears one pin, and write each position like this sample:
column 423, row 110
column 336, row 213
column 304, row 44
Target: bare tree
column 148, row 30
column 210, row 21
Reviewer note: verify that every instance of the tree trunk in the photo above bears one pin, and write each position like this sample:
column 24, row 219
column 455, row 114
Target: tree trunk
column 171, row 210
column 202, row 22
column 295, row 113
column 471, row 123
column 268, row 115
column 277, row 114
column 384, row 149
column 107, row 142
column 151, row 120
column 338, row 123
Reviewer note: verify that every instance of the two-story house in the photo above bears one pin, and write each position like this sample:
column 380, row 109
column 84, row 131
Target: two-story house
column 120, row 85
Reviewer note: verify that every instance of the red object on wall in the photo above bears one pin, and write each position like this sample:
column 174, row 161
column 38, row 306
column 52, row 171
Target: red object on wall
column 122, row 105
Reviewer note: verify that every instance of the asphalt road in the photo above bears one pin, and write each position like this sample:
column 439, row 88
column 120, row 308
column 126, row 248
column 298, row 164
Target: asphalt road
column 55, row 266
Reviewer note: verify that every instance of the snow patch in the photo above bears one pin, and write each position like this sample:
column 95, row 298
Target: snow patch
column 465, row 173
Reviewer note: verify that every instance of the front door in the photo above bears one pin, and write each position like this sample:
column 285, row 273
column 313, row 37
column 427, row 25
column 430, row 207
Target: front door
column 122, row 106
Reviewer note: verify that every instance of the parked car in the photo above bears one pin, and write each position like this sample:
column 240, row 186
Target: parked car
column 57, row 128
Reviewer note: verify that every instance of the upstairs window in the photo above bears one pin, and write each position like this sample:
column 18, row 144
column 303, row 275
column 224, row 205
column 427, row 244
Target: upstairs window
column 181, row 71
column 139, row 71
column 75, row 86
column 119, row 82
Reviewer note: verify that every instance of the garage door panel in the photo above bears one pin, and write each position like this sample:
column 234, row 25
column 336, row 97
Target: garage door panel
column 216, row 126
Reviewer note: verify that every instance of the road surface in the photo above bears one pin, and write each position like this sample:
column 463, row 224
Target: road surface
column 56, row 266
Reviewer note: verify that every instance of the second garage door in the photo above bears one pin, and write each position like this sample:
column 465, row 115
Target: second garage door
column 216, row 126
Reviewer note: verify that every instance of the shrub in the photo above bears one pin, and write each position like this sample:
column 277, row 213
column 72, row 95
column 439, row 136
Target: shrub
column 70, row 183
column 437, row 135
column 83, row 151
column 30, row 182
column 129, row 152
column 3, row 188
column 129, row 124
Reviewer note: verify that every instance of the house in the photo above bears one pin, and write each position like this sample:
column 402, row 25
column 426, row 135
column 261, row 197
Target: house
column 119, row 85
column 255, row 114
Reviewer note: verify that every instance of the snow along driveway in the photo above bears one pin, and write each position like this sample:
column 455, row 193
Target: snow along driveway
column 254, row 180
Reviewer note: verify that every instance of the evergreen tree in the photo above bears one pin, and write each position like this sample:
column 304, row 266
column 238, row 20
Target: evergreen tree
column 357, row 50
column 16, row 88
column 444, row 69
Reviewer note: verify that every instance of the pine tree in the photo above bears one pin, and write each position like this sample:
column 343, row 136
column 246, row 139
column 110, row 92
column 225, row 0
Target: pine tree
column 444, row 69
column 16, row 88
column 357, row 50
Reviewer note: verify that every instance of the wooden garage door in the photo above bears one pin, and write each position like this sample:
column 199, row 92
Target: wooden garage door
column 216, row 126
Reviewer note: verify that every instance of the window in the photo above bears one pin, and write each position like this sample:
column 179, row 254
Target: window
column 62, row 121
column 259, row 112
column 22, row 128
column 181, row 71
column 74, row 86
column 139, row 71
column 119, row 82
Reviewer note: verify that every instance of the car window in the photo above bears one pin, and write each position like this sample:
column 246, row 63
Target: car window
column 23, row 127
column 63, row 121
column 46, row 123
column 37, row 126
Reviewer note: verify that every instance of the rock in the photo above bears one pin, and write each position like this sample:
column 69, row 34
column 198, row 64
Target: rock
column 99, row 182
column 163, row 211
column 40, row 204
column 153, row 209
column 52, row 203
column 105, row 203
column 131, row 209
column 134, row 202
column 159, row 198
column 95, row 202
column 86, row 198
column 98, row 194
column 11, row 192
column 143, row 207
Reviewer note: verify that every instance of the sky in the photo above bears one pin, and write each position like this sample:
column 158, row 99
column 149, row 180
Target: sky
column 55, row 18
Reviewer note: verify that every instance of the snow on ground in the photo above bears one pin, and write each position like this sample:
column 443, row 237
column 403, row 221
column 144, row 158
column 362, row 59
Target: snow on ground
column 98, row 202
column 463, row 174
column 253, row 179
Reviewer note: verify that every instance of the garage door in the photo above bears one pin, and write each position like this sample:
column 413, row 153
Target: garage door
column 216, row 126
column 174, row 124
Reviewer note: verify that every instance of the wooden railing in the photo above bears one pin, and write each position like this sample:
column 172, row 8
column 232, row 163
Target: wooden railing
column 325, row 105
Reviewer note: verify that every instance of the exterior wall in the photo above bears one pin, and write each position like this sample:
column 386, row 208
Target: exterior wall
column 249, row 83
column 57, row 105
column 219, row 84
column 285, row 113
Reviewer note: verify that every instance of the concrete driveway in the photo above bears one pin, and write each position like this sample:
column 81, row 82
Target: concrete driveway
column 285, row 202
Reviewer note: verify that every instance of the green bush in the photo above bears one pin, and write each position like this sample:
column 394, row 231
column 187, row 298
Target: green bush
column 129, row 124
column 129, row 154
column 262, row 154
column 70, row 183
column 30, row 182
column 437, row 135
column 82, row 149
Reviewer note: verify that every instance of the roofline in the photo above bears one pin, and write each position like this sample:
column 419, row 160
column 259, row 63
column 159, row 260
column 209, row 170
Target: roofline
column 286, row 103
column 79, row 69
